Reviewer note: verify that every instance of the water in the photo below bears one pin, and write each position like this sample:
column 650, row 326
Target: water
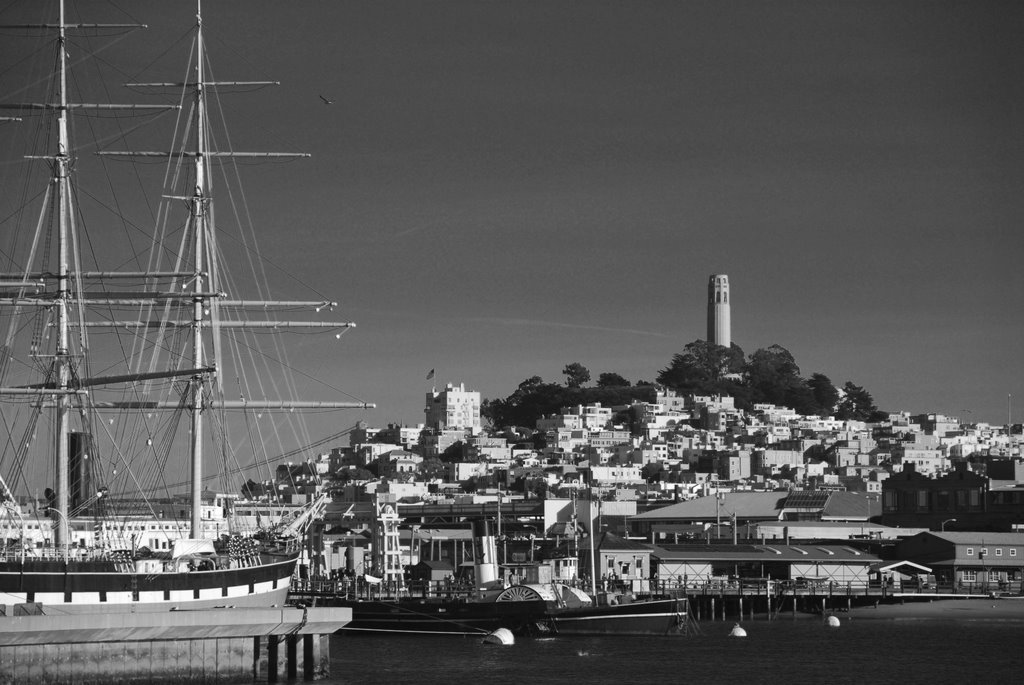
column 784, row 651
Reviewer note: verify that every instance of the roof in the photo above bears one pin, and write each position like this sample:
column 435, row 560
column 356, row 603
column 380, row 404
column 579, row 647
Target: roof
column 806, row 499
column 400, row 454
column 796, row 526
column 685, row 528
column 609, row 542
column 892, row 565
column 765, row 553
column 980, row 538
column 442, row 534
column 561, row 528
column 852, row 505
column 746, row 505
column 770, row 506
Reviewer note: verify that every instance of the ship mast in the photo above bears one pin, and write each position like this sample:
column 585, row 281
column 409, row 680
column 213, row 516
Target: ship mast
column 64, row 295
column 61, row 359
column 199, row 208
column 63, row 382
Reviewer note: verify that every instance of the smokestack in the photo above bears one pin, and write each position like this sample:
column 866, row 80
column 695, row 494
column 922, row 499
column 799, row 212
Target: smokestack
column 485, row 556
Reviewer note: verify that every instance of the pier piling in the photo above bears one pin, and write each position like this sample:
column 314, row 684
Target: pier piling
column 210, row 646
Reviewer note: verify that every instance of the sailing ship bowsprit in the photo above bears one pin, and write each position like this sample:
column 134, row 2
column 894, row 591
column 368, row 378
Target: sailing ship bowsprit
column 97, row 366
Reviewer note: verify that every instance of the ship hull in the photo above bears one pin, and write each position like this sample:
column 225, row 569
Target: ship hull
column 77, row 587
column 420, row 616
column 415, row 616
column 653, row 617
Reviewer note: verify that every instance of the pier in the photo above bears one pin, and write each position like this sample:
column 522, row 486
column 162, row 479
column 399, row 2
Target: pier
column 779, row 599
column 708, row 601
column 229, row 645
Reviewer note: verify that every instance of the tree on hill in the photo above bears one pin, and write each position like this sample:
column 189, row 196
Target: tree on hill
column 254, row 490
column 773, row 377
column 356, row 473
column 826, row 397
column 531, row 400
column 431, row 468
column 576, row 375
column 611, row 380
column 701, row 368
column 651, row 471
column 455, row 452
column 771, row 374
column 857, row 404
column 534, row 399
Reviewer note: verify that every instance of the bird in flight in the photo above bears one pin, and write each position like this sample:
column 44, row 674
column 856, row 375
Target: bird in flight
column 326, row 101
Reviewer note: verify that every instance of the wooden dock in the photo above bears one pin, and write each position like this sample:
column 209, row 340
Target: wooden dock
column 211, row 646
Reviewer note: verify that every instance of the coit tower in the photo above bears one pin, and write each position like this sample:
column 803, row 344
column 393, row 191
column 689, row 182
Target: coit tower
column 719, row 326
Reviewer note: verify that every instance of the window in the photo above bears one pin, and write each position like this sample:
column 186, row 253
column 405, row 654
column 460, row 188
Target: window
column 970, row 551
column 969, row 576
column 999, row 551
column 1013, row 551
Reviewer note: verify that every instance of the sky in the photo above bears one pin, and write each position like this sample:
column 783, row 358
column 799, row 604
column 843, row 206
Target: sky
column 499, row 189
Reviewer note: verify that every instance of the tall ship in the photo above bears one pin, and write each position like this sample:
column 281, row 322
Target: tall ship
column 131, row 362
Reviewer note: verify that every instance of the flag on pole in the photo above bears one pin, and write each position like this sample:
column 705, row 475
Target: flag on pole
column 430, row 375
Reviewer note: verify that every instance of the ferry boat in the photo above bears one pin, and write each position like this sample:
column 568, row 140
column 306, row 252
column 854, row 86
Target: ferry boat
column 525, row 609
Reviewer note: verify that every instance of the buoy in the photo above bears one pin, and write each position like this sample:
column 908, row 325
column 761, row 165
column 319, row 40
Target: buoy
column 737, row 631
column 832, row 622
column 501, row 636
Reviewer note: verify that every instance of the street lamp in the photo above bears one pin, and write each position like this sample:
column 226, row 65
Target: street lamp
column 942, row 527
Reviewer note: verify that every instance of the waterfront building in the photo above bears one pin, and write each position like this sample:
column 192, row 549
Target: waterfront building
column 626, row 562
column 752, row 508
column 993, row 561
column 820, row 564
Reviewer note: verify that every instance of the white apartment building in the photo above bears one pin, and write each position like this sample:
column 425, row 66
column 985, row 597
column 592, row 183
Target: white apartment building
column 926, row 461
column 722, row 403
column 771, row 461
column 593, row 417
column 453, row 408
column 775, row 415
column 560, row 421
column 670, row 401
column 566, row 440
column 615, row 475
column 488, row 449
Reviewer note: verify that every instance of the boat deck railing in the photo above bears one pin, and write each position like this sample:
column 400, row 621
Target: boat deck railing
column 72, row 553
column 818, row 587
column 358, row 588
